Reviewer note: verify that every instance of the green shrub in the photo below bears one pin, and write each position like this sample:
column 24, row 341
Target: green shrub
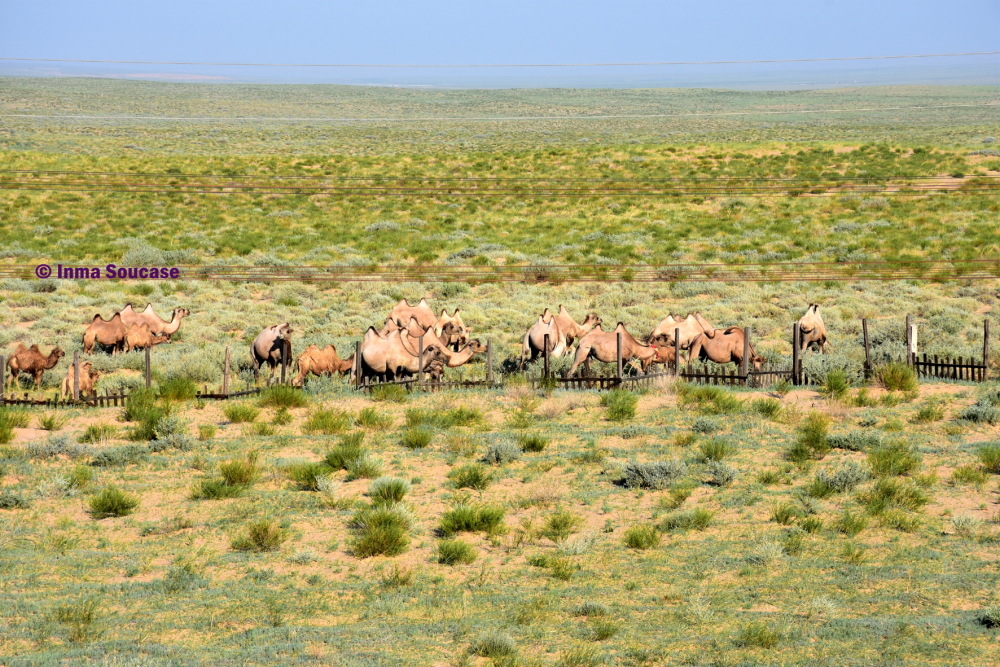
column 214, row 489
column 392, row 393
column 980, row 413
column 453, row 417
column 366, row 466
column 370, row 417
column 715, row 449
column 845, row 478
column 283, row 396
column 306, row 474
column 178, row 388
column 466, row 518
column 969, row 474
column 888, row 493
column 892, row 459
column 853, row 554
column 590, row 609
column 453, row 552
column 621, row 404
column 120, row 456
column 836, row 384
column 260, row 536
column 758, row 635
column 709, row 399
column 112, row 502
column 605, row 628
column 811, row 441
column 784, row 514
column 382, row 530
column 241, row 472
column 493, row 644
column 346, row 451
column 769, row 408
column 812, row 524
column 899, row 521
column 989, row 456
column 388, row 490
column 931, row 411
column 241, row 413
column 471, row 476
column 855, row 441
column 282, row 417
column 560, row 525
column 97, row 433
column 562, row 568
column 327, row 422
column 416, row 438
column 897, row 376
column 642, row 537
column 142, row 409
column 53, row 422
column 533, row 442
column 851, row 524
column 11, row 499
column 706, row 425
column 501, row 451
column 722, row 473
column 206, row 431
column 81, row 616
column 655, row 475
column 11, row 419
column 693, row 519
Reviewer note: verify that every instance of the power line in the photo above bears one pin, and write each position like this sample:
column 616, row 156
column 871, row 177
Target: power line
column 230, row 119
column 509, row 65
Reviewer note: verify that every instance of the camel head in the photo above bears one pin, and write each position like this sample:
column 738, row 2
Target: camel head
column 757, row 360
column 181, row 312
column 285, row 331
column 432, row 354
column 476, row 347
column 661, row 341
column 592, row 319
column 55, row 355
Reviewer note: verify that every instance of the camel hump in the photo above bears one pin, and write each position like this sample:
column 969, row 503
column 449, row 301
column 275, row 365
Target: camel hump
column 423, row 302
column 444, row 312
column 620, row 325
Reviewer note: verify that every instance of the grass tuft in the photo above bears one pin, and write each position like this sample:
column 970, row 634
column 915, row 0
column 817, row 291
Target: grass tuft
column 112, row 502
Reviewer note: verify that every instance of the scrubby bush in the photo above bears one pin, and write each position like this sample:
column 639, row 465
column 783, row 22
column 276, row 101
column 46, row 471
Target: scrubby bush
column 56, row 445
column 392, row 393
column 835, row 385
column 53, row 422
column 706, row 425
column 855, row 441
column 241, row 413
column 769, row 408
column 467, row 518
column 241, row 472
column 453, row 552
column 283, row 396
column 656, row 475
column 715, row 449
column 989, row 456
column 561, row 524
column 177, row 389
column 382, row 530
column 112, row 502
column 471, row 476
column 450, row 418
column 386, row 490
column 709, row 399
column 345, row 452
column 722, row 474
column 493, row 644
column 120, row 456
column 12, row 499
column 896, row 376
column 894, row 458
column 889, row 493
column 502, row 450
column 980, row 412
column 843, row 479
column 96, row 434
column 370, row 417
column 811, row 441
column 260, row 536
column 533, row 442
column 365, row 466
column 306, row 474
column 621, row 404
column 642, row 537
column 851, row 524
column 171, row 432
column 758, row 635
column 417, row 438
column 693, row 519
column 327, row 422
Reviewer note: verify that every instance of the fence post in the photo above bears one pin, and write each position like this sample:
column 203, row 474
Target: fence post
column 619, row 357
column 420, row 360
column 796, row 336
column 284, row 358
column 545, row 355
column 149, row 377
column 986, row 351
column 745, row 365
column 677, row 352
column 868, row 354
column 357, row 363
column 225, row 375
column 76, row 375
column 3, row 377
column 489, row 360
column 909, row 341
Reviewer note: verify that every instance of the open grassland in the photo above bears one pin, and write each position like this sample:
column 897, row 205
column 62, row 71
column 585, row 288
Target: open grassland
column 841, row 524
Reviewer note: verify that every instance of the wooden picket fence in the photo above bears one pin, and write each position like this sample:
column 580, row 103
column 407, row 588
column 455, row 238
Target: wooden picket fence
column 950, row 369
column 219, row 396
column 97, row 401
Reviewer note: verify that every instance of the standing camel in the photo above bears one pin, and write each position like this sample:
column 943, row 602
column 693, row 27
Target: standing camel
column 33, row 362
column 603, row 346
column 724, row 348
column 267, row 347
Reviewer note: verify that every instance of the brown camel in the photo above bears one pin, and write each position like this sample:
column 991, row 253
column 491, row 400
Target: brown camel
column 157, row 324
column 87, row 378
column 33, row 362
column 455, row 358
column 452, row 330
column 568, row 326
column 110, row 333
column 812, row 330
column 562, row 330
column 664, row 355
column 690, row 327
column 390, row 357
column 603, row 346
column 422, row 312
column 267, row 347
column 724, row 348
column 139, row 337
column 324, row 361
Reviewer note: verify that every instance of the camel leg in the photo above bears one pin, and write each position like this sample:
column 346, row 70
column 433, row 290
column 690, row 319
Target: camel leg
column 582, row 352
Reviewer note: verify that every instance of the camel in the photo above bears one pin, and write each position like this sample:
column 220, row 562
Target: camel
column 32, row 361
column 664, row 355
column 321, row 362
column 724, row 348
column 157, row 324
column 139, row 337
column 110, row 333
column 455, row 358
column 568, row 326
column 812, row 330
column 267, row 347
column 390, row 357
column 87, row 378
column 603, row 346
column 534, row 339
column 452, row 330
column 690, row 327
column 421, row 312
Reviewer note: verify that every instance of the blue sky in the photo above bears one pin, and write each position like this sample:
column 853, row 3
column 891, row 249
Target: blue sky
column 450, row 32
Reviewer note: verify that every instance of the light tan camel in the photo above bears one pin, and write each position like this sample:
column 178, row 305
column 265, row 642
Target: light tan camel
column 110, row 333
column 603, row 346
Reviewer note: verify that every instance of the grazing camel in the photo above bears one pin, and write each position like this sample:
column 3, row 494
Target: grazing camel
column 157, row 324
column 455, row 358
column 390, row 357
column 603, row 346
column 139, row 337
column 33, row 362
column 724, row 348
column 267, row 347
column 690, row 327
column 664, row 355
column 812, row 330
column 422, row 312
column 321, row 362
column 568, row 326
column 110, row 333
column 87, row 378
column 452, row 330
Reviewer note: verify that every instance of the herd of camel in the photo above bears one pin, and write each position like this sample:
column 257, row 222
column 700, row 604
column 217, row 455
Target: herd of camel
column 395, row 351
